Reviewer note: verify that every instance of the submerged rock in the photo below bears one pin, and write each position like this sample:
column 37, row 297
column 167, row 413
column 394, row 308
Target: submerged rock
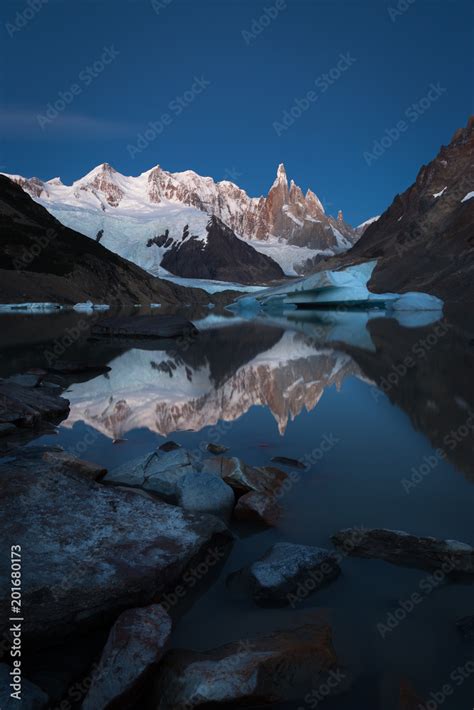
column 135, row 645
column 202, row 492
column 155, row 326
column 243, row 478
column 401, row 548
column 285, row 461
column 158, row 472
column 260, row 671
column 277, row 575
column 75, row 368
column 92, row 550
column 216, row 449
column 257, row 507
column 32, row 697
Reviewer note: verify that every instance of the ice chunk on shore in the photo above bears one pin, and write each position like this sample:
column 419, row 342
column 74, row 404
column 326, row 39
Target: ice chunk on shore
column 30, row 307
column 416, row 301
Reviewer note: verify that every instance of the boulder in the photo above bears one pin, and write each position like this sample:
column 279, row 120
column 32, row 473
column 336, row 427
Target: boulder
column 135, row 645
column 32, row 697
column 202, row 492
column 401, row 548
column 276, row 576
column 63, row 459
column 261, row 671
column 158, row 472
column 30, row 406
column 155, row 326
column 257, row 507
column 216, row 449
column 243, row 478
column 90, row 550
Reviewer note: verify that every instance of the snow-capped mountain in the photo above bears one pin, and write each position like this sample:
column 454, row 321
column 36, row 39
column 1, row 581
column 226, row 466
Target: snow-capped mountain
column 124, row 212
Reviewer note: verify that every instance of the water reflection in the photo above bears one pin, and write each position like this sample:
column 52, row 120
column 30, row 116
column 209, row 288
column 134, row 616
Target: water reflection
column 285, row 365
column 219, row 377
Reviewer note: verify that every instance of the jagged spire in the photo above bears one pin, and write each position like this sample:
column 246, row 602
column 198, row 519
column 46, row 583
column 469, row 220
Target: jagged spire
column 340, row 216
column 281, row 178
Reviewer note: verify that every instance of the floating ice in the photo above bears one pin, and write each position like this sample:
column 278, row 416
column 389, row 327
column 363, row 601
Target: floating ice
column 88, row 307
column 30, row 307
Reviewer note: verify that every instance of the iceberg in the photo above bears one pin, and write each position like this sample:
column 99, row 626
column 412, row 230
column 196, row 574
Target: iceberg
column 344, row 289
column 88, row 307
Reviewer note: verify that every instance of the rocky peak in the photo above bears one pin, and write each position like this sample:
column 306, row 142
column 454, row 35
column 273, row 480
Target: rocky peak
column 340, row 216
column 314, row 203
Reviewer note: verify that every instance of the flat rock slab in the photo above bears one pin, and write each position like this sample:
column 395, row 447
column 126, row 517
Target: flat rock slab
column 158, row 472
column 135, row 645
column 159, row 326
column 76, row 368
column 291, row 463
column 244, row 478
column 32, row 697
column 90, row 550
column 401, row 548
column 29, row 406
column 202, row 492
column 285, row 567
column 264, row 670
column 258, row 508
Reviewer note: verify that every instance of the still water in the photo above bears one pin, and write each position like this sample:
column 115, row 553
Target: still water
column 384, row 411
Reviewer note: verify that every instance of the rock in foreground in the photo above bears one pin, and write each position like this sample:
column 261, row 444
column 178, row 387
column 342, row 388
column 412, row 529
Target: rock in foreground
column 257, row 507
column 30, row 406
column 201, row 492
column 158, row 472
column 135, row 645
column 264, row 670
column 243, row 478
column 278, row 574
column 159, row 326
column 32, row 697
column 400, row 548
column 92, row 550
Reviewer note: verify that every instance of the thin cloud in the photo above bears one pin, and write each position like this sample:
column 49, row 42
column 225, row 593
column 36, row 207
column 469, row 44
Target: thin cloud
column 27, row 122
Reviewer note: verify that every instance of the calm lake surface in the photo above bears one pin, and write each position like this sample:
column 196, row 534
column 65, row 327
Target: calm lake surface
column 382, row 410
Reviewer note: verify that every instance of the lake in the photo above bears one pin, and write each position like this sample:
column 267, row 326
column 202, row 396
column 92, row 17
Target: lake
column 381, row 414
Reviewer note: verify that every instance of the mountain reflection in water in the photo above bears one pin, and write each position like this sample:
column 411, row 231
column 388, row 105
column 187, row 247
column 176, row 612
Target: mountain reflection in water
column 222, row 374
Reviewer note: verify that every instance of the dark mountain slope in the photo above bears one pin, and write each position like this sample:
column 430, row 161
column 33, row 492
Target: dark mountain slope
column 221, row 256
column 43, row 261
column 425, row 240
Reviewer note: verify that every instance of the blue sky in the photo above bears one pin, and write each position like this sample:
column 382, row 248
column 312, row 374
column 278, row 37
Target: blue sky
column 352, row 95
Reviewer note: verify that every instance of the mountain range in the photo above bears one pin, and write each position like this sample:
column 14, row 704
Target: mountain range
column 186, row 225
column 125, row 213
